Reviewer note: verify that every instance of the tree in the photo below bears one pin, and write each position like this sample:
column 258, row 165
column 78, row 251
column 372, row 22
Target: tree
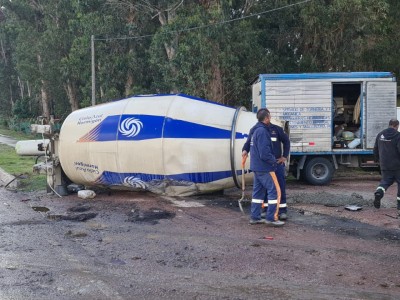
column 28, row 20
column 207, row 48
column 336, row 34
column 8, row 74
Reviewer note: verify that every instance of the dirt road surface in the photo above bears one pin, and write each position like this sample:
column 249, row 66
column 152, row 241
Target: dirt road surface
column 126, row 245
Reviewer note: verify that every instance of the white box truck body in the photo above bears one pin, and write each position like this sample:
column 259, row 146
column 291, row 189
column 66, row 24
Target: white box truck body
column 333, row 117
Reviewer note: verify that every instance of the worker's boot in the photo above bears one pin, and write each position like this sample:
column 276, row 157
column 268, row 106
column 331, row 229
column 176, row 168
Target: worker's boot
column 283, row 216
column 275, row 223
column 378, row 196
column 255, row 222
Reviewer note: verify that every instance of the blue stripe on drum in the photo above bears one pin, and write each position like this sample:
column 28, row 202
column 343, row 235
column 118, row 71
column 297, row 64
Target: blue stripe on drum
column 144, row 127
column 179, row 129
column 114, row 178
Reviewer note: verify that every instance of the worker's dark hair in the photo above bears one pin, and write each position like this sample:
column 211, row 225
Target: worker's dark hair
column 393, row 123
column 262, row 114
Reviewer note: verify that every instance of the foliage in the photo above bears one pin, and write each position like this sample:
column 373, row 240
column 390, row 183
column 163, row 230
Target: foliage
column 8, row 128
column 331, row 32
column 208, row 48
column 24, row 109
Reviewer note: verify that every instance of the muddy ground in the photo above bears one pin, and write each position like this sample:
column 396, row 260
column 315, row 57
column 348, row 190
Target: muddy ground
column 130, row 245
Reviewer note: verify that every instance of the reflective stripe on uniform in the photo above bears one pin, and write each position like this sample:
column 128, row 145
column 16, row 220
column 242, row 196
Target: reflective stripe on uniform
column 281, row 205
column 398, row 198
column 275, row 201
column 381, row 188
column 258, row 201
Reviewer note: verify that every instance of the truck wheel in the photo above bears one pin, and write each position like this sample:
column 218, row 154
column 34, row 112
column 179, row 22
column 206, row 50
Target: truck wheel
column 318, row 171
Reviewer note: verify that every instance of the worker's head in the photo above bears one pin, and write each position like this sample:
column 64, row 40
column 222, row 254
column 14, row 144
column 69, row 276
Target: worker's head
column 394, row 123
column 264, row 116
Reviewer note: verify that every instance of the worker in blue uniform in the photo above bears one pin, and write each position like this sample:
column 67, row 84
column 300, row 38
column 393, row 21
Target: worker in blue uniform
column 263, row 164
column 279, row 138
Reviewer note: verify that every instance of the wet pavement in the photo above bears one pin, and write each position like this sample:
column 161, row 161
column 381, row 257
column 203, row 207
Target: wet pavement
column 125, row 245
column 8, row 140
column 143, row 246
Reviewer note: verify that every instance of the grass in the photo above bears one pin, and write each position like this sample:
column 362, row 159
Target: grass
column 21, row 166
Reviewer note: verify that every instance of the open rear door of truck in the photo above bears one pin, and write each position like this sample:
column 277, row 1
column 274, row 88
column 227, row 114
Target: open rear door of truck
column 380, row 108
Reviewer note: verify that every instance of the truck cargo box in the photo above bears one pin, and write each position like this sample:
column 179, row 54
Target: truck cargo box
column 333, row 116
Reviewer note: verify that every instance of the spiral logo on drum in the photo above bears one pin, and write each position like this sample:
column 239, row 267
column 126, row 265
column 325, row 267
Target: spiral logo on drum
column 130, row 127
column 134, row 182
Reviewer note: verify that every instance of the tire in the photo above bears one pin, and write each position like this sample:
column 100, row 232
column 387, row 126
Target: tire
column 318, row 171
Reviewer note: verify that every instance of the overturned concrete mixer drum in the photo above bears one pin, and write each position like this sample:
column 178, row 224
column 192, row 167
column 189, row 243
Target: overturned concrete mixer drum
column 166, row 144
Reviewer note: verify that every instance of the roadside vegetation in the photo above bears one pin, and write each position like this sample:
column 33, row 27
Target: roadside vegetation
column 16, row 134
column 20, row 166
column 209, row 49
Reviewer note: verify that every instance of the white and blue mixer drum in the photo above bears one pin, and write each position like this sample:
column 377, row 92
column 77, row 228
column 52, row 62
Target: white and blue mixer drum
column 167, row 144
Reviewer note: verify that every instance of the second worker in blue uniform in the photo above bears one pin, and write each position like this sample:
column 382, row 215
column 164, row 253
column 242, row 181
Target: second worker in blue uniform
column 281, row 147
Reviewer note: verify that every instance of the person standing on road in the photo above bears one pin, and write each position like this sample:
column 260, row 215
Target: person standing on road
column 263, row 164
column 387, row 152
column 279, row 138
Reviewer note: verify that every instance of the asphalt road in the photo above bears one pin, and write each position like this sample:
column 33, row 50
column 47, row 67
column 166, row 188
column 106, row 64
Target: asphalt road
column 125, row 245
column 7, row 140
column 143, row 246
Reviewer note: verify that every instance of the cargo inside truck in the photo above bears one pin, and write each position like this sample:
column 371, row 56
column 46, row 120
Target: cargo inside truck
column 346, row 113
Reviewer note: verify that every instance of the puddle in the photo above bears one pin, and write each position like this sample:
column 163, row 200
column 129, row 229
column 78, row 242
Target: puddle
column 40, row 208
column 151, row 216
column 74, row 217
column 79, row 208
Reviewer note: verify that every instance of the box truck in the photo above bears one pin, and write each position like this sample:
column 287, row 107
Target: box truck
column 333, row 118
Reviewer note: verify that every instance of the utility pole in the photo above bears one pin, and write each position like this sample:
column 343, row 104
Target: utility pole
column 93, row 72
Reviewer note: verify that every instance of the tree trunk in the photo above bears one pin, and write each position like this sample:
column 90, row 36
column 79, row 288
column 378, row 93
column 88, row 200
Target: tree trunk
column 45, row 100
column 165, row 18
column 70, row 88
column 21, row 87
column 130, row 19
column 3, row 52
column 11, row 97
column 29, row 89
column 170, row 48
column 43, row 92
column 247, row 6
column 128, row 84
column 216, row 89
